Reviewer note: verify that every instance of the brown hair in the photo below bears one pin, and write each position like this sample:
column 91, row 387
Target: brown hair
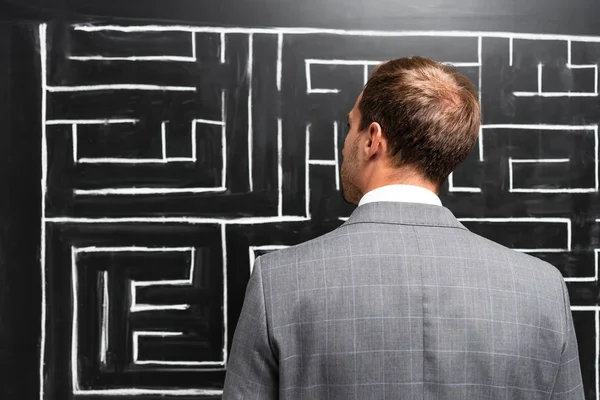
column 429, row 113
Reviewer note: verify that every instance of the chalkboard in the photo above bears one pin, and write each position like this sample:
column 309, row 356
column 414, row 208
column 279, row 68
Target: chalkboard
column 150, row 152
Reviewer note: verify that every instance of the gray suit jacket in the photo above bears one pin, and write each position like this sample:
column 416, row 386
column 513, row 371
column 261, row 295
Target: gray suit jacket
column 403, row 302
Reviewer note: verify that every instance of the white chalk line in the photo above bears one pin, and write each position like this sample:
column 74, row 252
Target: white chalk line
column 163, row 140
column 179, row 220
column 250, row 122
column 223, row 142
column 539, row 74
column 210, row 121
column 367, row 63
column 597, row 326
column 279, row 68
column 556, row 220
column 538, row 160
column 307, row 171
column 44, row 161
column 582, row 66
column 336, row 155
column 553, row 190
column 182, row 363
column 114, row 87
column 334, row 61
column 480, row 143
column 149, row 392
column 323, row 91
column 99, row 57
column 555, row 94
column 322, row 162
column 342, row 32
column 308, row 77
column 104, row 334
column 510, row 50
column 137, row 308
column 74, row 140
column 145, row 190
column 549, row 127
column 74, row 322
column 225, row 294
column 585, row 308
column 479, row 82
column 465, row 189
column 107, row 121
column 222, row 48
column 279, row 167
column 133, row 249
column 193, row 44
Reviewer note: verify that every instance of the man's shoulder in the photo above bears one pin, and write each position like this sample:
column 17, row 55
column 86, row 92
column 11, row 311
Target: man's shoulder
column 519, row 261
column 311, row 250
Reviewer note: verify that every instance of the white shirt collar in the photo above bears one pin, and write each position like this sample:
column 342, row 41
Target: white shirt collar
column 401, row 193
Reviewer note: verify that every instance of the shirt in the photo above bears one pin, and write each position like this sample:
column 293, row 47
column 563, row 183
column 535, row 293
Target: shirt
column 401, row 193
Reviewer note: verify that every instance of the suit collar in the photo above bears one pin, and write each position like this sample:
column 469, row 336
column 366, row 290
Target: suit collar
column 403, row 213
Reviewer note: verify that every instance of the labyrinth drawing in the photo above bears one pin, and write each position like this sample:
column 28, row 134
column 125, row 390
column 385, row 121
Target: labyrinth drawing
column 172, row 156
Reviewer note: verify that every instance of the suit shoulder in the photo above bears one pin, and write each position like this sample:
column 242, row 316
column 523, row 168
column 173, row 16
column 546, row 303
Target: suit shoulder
column 312, row 249
column 516, row 259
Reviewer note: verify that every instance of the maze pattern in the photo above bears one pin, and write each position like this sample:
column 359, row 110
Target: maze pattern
column 173, row 156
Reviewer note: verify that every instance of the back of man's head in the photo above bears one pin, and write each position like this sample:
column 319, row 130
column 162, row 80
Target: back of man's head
column 429, row 113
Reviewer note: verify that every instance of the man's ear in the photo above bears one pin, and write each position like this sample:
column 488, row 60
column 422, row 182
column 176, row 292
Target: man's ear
column 375, row 141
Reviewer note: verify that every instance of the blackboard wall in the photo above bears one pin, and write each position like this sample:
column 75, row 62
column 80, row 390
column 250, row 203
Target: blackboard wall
column 532, row 183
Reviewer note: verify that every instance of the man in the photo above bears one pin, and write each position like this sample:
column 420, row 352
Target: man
column 402, row 301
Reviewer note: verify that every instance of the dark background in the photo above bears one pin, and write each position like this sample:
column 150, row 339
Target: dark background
column 20, row 293
column 576, row 17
